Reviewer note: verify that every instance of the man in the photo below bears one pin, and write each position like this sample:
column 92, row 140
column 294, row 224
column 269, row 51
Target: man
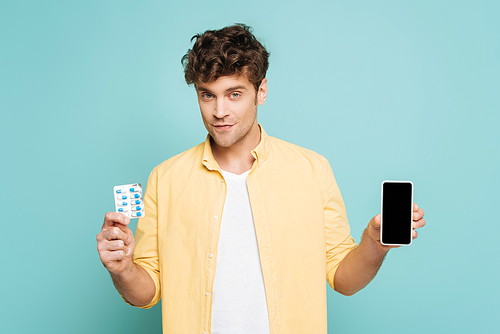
column 240, row 231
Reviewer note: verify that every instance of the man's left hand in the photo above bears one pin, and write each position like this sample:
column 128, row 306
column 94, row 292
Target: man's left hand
column 374, row 226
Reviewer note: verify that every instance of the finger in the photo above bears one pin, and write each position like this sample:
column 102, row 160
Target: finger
column 115, row 233
column 130, row 234
column 117, row 247
column 374, row 228
column 418, row 214
column 375, row 221
column 419, row 223
column 414, row 234
column 129, row 249
column 112, row 245
column 112, row 256
column 415, row 207
column 114, row 219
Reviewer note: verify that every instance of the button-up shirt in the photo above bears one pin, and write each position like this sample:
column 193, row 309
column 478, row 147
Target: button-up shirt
column 300, row 223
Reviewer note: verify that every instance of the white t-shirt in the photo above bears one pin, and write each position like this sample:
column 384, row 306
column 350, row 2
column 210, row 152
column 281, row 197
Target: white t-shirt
column 239, row 297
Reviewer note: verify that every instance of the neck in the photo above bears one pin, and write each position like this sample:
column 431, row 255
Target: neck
column 237, row 158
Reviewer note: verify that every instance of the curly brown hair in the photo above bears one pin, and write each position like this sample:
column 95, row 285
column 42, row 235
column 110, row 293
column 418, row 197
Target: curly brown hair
column 228, row 51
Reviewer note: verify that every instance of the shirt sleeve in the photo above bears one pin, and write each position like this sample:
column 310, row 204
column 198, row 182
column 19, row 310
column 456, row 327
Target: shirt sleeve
column 146, row 238
column 337, row 231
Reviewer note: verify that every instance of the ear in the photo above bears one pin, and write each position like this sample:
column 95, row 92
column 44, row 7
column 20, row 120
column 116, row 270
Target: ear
column 262, row 92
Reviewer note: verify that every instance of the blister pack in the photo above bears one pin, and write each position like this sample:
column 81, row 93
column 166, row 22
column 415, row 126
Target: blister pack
column 129, row 200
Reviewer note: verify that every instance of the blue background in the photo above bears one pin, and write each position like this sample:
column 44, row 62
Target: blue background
column 92, row 96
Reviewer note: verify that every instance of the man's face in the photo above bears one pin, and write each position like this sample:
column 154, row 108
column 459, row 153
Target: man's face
column 229, row 108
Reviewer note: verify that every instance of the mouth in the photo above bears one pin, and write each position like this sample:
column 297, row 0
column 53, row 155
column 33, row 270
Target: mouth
column 223, row 126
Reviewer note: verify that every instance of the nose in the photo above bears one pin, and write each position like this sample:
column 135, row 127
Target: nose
column 221, row 109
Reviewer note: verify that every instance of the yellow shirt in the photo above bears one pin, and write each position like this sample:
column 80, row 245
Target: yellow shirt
column 300, row 224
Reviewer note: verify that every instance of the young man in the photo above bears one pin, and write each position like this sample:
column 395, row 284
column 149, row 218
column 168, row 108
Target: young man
column 240, row 231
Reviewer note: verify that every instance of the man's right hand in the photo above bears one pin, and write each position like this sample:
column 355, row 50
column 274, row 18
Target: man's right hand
column 116, row 243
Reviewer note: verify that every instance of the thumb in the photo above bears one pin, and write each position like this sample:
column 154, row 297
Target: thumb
column 376, row 221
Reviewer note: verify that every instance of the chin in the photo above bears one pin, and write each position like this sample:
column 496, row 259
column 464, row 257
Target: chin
column 220, row 140
column 223, row 142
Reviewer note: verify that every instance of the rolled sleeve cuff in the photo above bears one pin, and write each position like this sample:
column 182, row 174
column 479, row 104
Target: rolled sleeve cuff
column 156, row 279
column 333, row 264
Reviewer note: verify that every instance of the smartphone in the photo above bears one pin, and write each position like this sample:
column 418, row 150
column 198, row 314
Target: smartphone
column 397, row 213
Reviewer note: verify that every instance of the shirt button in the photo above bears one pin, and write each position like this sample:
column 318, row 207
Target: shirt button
column 210, row 255
column 207, row 293
column 215, row 217
column 221, row 180
column 205, row 333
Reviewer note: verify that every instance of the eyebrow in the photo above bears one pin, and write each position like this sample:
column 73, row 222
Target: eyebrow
column 230, row 89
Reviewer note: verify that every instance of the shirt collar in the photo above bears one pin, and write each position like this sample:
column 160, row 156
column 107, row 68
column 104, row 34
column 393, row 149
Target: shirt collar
column 260, row 153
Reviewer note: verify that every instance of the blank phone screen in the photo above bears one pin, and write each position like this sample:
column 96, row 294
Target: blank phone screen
column 397, row 213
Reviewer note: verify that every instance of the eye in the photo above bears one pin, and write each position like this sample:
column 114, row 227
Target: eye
column 235, row 95
column 207, row 96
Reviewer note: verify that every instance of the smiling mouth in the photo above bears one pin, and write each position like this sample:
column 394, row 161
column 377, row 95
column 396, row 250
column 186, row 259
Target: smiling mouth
column 223, row 126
